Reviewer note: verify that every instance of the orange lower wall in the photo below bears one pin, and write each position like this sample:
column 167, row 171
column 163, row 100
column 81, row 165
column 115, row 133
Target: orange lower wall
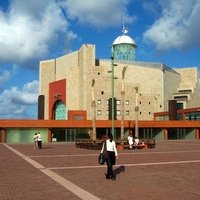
column 99, row 124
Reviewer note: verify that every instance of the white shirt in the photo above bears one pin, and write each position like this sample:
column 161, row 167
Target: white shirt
column 130, row 140
column 111, row 146
column 137, row 141
column 35, row 137
column 39, row 137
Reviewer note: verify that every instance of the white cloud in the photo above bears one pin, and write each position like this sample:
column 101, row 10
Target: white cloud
column 97, row 13
column 28, row 28
column 151, row 7
column 4, row 76
column 178, row 27
column 15, row 102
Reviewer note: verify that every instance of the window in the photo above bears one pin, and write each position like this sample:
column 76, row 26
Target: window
column 118, row 112
column 102, row 92
column 185, row 91
column 127, row 102
column 118, row 102
column 99, row 102
column 96, row 62
column 98, row 112
column 181, row 97
column 127, row 112
column 179, row 106
column 107, row 112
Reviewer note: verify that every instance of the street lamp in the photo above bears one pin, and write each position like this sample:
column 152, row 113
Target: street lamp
column 136, row 111
column 122, row 103
column 112, row 86
column 94, row 111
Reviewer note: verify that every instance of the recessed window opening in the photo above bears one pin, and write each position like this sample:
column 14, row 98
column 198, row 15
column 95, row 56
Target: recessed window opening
column 118, row 112
column 127, row 112
column 99, row 112
column 118, row 102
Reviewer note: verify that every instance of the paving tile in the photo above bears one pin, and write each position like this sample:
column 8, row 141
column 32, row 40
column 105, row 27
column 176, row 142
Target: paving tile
column 170, row 171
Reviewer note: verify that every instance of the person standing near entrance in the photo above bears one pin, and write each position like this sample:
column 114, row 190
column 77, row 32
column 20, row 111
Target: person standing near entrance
column 35, row 138
column 39, row 139
column 112, row 154
column 130, row 141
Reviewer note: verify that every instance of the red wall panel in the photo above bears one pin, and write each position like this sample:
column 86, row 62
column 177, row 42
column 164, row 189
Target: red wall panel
column 57, row 91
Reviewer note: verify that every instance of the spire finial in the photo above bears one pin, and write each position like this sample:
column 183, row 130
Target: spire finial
column 124, row 30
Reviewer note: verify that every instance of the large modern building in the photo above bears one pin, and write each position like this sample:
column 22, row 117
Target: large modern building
column 81, row 96
column 67, row 82
column 78, row 86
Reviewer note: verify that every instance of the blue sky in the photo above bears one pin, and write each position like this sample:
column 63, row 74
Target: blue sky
column 166, row 31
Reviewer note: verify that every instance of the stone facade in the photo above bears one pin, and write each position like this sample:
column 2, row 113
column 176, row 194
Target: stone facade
column 156, row 84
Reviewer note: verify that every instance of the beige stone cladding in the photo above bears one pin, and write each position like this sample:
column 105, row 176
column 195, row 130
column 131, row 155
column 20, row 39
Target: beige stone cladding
column 156, row 84
column 60, row 68
column 86, row 62
column 74, row 68
column 67, row 68
column 171, row 81
column 150, row 80
column 189, row 86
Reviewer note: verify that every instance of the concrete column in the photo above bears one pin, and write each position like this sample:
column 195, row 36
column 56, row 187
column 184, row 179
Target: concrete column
column 49, row 135
column 165, row 134
column 3, row 135
column 197, row 134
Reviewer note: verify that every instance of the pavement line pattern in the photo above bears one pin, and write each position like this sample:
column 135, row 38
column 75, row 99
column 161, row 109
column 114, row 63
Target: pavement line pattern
column 131, row 165
column 124, row 153
column 81, row 193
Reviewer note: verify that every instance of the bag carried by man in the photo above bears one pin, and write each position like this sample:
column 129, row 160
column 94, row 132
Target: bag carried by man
column 104, row 155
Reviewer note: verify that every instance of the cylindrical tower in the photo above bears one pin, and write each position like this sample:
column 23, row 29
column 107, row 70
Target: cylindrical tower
column 123, row 48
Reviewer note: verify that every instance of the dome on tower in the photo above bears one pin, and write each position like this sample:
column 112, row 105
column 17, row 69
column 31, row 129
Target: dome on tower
column 124, row 39
column 123, row 48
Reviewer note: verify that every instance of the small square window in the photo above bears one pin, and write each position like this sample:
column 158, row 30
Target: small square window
column 99, row 73
column 127, row 112
column 118, row 102
column 99, row 102
column 102, row 92
column 118, row 112
column 98, row 112
column 149, row 113
column 127, row 102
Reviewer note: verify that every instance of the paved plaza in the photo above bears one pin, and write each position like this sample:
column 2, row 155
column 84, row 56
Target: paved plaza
column 171, row 171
